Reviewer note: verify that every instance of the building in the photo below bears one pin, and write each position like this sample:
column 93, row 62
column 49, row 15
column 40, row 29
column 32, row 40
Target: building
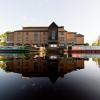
column 51, row 36
column 71, row 38
column 79, row 39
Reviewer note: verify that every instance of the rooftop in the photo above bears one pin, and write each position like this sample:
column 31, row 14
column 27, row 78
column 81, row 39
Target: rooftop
column 80, row 35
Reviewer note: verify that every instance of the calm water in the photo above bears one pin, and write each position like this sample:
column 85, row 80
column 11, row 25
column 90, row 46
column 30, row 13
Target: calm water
column 48, row 77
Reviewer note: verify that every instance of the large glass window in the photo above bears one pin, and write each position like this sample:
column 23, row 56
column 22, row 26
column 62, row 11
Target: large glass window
column 35, row 37
column 53, row 35
column 44, row 37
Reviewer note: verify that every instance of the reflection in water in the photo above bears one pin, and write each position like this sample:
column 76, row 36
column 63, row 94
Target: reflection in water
column 48, row 77
column 97, row 60
column 41, row 65
column 86, row 55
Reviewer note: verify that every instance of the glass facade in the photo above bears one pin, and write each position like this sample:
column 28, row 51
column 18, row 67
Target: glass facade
column 53, row 35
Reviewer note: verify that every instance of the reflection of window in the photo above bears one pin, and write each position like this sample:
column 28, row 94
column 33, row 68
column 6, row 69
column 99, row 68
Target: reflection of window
column 53, row 57
column 26, row 63
column 35, row 67
column 53, row 35
column 53, row 45
column 18, row 63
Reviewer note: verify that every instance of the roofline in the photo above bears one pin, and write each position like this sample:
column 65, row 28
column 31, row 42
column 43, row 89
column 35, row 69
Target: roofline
column 35, row 27
column 80, row 35
column 42, row 27
column 52, row 23
column 72, row 32
column 31, row 31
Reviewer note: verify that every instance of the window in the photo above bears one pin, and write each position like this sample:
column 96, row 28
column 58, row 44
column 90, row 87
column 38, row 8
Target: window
column 35, row 37
column 44, row 37
column 53, row 35
column 62, row 33
column 18, row 37
column 27, row 33
column 62, row 44
column 61, row 38
column 27, row 38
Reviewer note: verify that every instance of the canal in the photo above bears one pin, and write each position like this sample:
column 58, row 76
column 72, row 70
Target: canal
column 37, row 76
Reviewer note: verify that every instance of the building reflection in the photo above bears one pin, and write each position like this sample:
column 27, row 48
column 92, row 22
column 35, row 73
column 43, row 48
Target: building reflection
column 67, row 65
column 97, row 60
column 52, row 66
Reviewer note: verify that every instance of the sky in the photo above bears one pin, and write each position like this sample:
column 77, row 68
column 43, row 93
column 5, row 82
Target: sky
column 81, row 16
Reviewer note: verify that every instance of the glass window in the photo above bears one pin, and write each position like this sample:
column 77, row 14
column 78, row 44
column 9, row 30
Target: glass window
column 35, row 37
column 53, row 35
column 44, row 37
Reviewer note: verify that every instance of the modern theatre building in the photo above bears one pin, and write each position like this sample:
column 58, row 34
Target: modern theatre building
column 51, row 36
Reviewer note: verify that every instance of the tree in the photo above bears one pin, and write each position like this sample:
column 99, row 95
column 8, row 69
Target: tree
column 3, row 38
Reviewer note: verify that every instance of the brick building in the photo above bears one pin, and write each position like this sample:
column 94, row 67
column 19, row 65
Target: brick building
column 52, row 36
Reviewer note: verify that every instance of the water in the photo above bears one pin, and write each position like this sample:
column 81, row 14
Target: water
column 46, row 77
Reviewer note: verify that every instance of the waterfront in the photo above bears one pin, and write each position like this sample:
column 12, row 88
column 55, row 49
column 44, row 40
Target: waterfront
column 38, row 76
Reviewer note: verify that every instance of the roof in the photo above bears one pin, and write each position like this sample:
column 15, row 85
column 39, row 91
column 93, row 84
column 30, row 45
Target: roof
column 36, row 27
column 72, row 32
column 34, row 31
column 53, row 24
column 30, row 31
column 9, row 32
column 79, row 35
